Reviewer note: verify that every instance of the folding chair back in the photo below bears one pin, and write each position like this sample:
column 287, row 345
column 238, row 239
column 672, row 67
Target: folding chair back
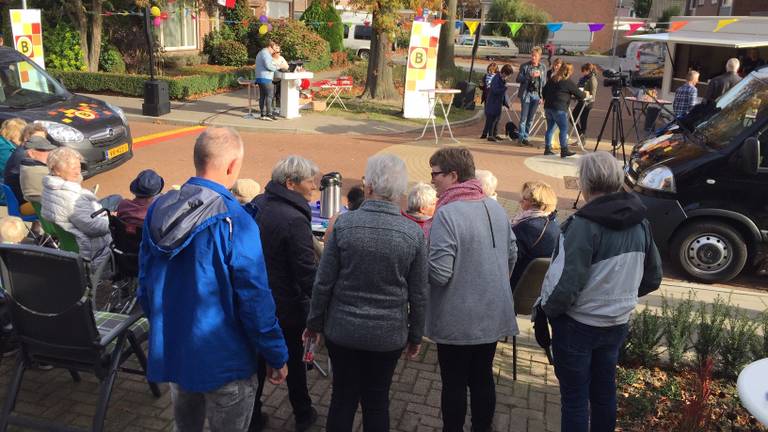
column 67, row 240
column 50, row 307
column 528, row 287
column 48, row 227
column 127, row 240
column 13, row 205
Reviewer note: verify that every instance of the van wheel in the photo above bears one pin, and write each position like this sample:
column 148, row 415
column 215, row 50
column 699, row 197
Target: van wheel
column 364, row 54
column 710, row 251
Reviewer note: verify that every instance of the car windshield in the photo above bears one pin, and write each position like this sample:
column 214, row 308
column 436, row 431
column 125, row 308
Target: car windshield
column 23, row 84
column 737, row 110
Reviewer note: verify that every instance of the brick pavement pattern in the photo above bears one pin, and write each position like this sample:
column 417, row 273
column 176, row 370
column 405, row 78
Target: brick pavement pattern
column 532, row 403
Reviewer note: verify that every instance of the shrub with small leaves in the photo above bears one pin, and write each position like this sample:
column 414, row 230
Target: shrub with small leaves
column 760, row 344
column 212, row 39
column 62, row 48
column 230, row 53
column 297, row 42
column 645, row 332
column 111, row 60
column 678, row 325
column 710, row 330
column 736, row 348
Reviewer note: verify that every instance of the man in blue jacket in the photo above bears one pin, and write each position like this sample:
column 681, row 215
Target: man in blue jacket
column 203, row 286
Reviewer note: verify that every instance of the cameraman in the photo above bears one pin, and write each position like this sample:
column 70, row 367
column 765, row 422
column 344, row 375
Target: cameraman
column 532, row 77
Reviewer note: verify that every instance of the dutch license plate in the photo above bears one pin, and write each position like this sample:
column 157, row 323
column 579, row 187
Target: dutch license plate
column 117, row 151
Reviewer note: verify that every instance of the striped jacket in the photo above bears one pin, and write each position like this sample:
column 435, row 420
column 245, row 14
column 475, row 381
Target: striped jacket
column 605, row 260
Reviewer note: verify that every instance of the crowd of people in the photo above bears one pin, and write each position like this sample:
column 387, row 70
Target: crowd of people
column 537, row 83
column 237, row 292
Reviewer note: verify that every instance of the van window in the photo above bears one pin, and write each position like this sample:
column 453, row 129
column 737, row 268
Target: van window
column 23, row 84
column 346, row 31
column 363, row 32
column 483, row 42
column 499, row 43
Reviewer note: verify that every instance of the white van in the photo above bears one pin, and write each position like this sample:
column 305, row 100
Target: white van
column 488, row 47
column 358, row 38
column 572, row 37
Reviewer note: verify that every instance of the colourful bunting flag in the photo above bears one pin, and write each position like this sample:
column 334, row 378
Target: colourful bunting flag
column 677, row 25
column 437, row 22
column 228, row 3
column 633, row 27
column 554, row 27
column 459, row 25
column 724, row 22
column 514, row 27
column 472, row 26
column 596, row 27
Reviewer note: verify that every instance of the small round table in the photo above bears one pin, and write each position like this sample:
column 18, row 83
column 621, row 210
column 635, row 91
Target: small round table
column 249, row 83
column 753, row 389
column 434, row 98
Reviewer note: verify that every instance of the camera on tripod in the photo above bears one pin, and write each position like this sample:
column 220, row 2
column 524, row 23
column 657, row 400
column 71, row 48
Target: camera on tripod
column 615, row 79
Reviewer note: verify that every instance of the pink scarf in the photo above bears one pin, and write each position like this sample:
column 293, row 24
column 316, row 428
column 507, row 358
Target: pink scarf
column 470, row 190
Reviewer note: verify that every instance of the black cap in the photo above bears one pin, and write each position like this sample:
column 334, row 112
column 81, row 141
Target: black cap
column 147, row 184
column 39, row 143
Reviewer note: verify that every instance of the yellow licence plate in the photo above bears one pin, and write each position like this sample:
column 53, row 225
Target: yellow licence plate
column 117, row 151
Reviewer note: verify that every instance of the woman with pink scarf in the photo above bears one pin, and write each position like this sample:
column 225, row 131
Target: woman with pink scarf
column 472, row 252
column 536, row 227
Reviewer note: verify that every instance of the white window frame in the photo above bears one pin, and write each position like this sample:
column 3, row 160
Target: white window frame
column 266, row 8
column 185, row 21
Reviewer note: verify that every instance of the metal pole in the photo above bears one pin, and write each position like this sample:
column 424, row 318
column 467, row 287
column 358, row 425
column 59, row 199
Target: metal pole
column 615, row 32
column 150, row 43
column 23, row 4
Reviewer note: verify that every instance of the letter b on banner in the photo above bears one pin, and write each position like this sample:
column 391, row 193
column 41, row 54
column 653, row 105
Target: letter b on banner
column 24, row 46
column 418, row 58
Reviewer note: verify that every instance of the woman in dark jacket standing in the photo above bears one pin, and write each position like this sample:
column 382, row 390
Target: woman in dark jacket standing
column 536, row 227
column 588, row 82
column 494, row 101
column 557, row 99
column 369, row 297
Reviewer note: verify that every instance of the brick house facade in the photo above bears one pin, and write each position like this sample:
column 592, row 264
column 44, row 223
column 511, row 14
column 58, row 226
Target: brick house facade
column 726, row 7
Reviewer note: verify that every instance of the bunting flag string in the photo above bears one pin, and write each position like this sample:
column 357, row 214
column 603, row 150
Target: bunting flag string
column 554, row 27
column 472, row 26
column 595, row 27
column 633, row 27
column 514, row 27
column 723, row 23
column 677, row 25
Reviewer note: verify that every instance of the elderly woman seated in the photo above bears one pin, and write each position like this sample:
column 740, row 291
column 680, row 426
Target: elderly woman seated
column 536, row 227
column 66, row 203
column 422, row 199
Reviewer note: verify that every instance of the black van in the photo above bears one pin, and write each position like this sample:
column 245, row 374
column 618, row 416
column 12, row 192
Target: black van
column 706, row 184
column 98, row 130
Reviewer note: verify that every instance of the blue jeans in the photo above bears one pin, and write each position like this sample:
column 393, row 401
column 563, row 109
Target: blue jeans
column 585, row 364
column 527, row 112
column 559, row 119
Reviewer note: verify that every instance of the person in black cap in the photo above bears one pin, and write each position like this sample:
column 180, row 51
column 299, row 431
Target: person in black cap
column 145, row 187
column 34, row 167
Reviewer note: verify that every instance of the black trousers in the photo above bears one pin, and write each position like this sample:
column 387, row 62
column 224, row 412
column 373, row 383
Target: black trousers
column 266, row 95
column 581, row 124
column 297, row 378
column 463, row 366
column 360, row 377
column 491, row 124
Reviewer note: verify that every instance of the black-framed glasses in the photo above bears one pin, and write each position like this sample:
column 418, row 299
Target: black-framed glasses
column 436, row 173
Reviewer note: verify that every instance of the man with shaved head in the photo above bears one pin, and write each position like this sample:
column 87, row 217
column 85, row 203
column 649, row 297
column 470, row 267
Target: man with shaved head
column 203, row 286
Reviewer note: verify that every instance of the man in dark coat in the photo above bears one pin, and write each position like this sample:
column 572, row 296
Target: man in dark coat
column 284, row 219
column 720, row 84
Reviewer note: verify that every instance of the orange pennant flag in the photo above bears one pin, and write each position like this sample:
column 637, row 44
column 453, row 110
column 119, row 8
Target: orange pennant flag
column 677, row 25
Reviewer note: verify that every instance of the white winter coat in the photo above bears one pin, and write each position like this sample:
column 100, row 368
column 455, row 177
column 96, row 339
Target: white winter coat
column 70, row 206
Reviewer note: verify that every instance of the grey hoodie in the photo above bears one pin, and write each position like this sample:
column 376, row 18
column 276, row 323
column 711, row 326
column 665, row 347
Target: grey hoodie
column 472, row 252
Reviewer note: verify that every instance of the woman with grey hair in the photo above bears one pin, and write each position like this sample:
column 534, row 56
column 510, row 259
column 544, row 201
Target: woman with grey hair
column 284, row 218
column 67, row 204
column 369, row 297
column 422, row 200
column 605, row 260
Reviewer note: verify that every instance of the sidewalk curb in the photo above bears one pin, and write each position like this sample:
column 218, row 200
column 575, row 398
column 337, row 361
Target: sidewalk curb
column 213, row 122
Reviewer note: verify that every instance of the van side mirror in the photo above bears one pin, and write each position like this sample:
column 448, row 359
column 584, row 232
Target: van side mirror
column 747, row 157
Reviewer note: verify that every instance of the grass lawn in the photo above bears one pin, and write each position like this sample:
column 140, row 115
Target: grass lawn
column 390, row 112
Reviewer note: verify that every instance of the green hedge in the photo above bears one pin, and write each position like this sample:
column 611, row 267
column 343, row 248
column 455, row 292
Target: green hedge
column 133, row 85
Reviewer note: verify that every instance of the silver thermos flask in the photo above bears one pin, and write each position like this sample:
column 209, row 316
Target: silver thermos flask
column 330, row 195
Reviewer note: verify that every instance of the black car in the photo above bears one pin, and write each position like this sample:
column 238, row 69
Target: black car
column 98, row 130
column 705, row 183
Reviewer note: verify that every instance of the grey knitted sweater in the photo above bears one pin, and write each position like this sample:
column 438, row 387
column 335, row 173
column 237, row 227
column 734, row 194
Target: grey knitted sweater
column 371, row 286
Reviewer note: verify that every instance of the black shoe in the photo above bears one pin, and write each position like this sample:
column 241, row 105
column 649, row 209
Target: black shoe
column 274, row 117
column 492, row 139
column 566, row 154
column 259, row 423
column 524, row 142
column 500, row 137
column 483, row 136
column 305, row 424
column 548, row 153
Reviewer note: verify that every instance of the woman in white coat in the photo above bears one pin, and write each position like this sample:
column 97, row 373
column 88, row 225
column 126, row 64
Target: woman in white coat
column 66, row 203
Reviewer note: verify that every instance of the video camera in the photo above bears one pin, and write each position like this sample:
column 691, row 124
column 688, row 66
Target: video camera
column 615, row 79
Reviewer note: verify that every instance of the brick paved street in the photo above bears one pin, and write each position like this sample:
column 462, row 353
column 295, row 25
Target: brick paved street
column 530, row 404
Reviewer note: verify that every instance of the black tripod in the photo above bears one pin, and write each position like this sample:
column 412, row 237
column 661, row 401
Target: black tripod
column 617, row 129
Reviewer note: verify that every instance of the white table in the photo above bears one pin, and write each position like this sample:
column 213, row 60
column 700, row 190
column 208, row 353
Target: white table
column 574, row 121
column 334, row 97
column 435, row 98
column 289, row 92
column 753, row 389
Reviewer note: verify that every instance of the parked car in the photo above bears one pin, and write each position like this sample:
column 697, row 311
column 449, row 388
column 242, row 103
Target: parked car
column 489, row 47
column 96, row 129
column 705, row 183
column 358, row 38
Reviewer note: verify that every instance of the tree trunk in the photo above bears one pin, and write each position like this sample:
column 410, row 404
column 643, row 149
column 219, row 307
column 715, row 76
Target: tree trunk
column 445, row 51
column 380, row 83
column 96, row 28
column 76, row 12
